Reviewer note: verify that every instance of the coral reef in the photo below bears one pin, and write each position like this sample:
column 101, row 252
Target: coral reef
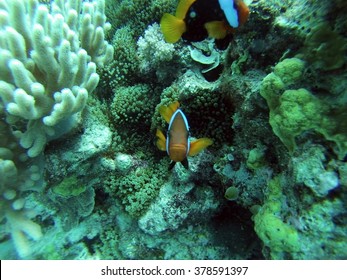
column 81, row 177
column 279, row 236
column 294, row 111
column 48, row 66
column 137, row 187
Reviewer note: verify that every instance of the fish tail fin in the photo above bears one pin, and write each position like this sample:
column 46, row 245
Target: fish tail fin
column 167, row 111
column 161, row 142
column 198, row 145
column 172, row 28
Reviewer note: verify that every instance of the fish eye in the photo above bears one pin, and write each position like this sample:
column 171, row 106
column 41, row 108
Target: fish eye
column 192, row 14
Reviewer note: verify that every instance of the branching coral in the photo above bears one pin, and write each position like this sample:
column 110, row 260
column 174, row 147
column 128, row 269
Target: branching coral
column 46, row 65
column 158, row 60
column 48, row 60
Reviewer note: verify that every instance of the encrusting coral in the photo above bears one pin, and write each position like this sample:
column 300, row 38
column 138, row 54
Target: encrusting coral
column 276, row 234
column 293, row 111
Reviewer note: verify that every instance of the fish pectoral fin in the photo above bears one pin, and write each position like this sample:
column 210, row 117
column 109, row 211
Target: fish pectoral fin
column 172, row 28
column 174, row 106
column 183, row 7
column 217, row 29
column 171, row 165
column 167, row 111
column 198, row 145
column 161, row 142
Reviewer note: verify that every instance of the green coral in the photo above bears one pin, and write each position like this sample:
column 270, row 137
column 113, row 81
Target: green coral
column 293, row 111
column 324, row 48
column 209, row 114
column 256, row 158
column 69, row 187
column 297, row 112
column 132, row 107
column 290, row 70
column 276, row 234
column 129, row 19
column 137, row 189
column 286, row 73
column 123, row 69
column 137, row 14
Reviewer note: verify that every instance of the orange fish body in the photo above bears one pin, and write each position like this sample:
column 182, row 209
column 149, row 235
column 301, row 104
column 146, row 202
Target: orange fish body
column 178, row 137
column 177, row 144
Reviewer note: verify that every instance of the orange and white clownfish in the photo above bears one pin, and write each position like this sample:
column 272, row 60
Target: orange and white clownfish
column 177, row 143
column 196, row 20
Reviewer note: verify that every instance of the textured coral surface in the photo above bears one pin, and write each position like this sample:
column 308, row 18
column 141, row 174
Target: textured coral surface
column 82, row 178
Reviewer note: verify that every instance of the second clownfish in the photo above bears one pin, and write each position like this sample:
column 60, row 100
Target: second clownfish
column 177, row 143
column 196, row 20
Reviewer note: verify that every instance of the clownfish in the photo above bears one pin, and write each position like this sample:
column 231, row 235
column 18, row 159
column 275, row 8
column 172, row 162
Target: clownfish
column 177, row 143
column 196, row 20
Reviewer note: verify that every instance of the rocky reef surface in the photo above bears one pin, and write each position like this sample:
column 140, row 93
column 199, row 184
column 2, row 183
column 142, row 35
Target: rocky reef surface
column 272, row 186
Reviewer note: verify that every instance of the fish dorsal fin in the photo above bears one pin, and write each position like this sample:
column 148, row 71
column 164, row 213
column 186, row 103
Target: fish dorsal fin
column 161, row 142
column 172, row 28
column 183, row 7
column 216, row 29
column 198, row 145
column 167, row 111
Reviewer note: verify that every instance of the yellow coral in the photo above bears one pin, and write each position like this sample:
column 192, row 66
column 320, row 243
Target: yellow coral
column 279, row 236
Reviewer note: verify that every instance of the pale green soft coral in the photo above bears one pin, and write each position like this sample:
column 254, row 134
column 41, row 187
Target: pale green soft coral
column 293, row 111
column 271, row 89
column 256, row 158
column 298, row 111
column 290, row 70
column 69, row 187
column 286, row 73
column 279, row 236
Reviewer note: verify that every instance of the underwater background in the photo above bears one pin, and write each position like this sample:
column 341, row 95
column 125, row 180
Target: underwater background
column 81, row 176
